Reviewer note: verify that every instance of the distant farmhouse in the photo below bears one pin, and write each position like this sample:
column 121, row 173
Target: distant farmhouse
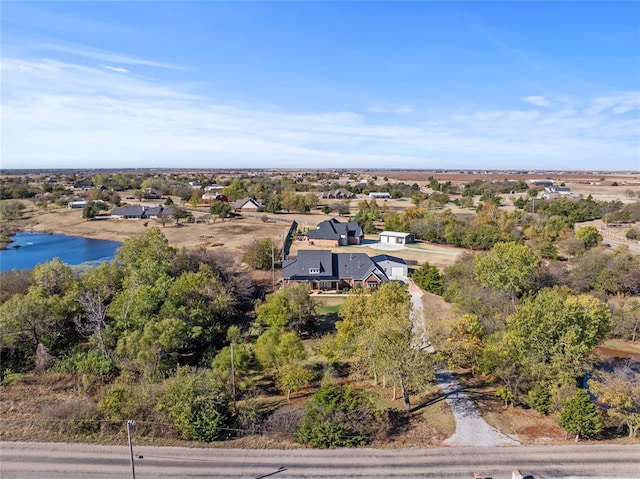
column 153, row 193
column 339, row 194
column 394, row 237
column 246, row 204
column 141, row 212
column 544, row 182
column 552, row 192
column 326, row 271
column 334, row 233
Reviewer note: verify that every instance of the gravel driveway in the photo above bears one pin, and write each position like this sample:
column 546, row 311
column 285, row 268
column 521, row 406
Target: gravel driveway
column 471, row 429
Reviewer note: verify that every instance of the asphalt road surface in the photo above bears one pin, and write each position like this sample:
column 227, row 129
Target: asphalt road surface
column 82, row 461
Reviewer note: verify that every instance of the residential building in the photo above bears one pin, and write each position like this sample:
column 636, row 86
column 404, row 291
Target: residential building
column 339, row 194
column 246, row 204
column 153, row 193
column 327, row 271
column 140, row 212
column 334, row 233
column 553, row 192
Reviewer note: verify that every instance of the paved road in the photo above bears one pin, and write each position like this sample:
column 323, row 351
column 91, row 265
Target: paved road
column 81, row 461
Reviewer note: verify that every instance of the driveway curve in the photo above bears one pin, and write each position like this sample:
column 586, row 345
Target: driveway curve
column 471, row 429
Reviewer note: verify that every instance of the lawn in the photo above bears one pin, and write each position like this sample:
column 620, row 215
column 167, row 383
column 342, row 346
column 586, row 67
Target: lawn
column 327, row 305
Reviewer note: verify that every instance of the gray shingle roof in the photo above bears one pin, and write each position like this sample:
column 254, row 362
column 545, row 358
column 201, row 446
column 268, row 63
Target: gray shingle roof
column 332, row 230
column 331, row 266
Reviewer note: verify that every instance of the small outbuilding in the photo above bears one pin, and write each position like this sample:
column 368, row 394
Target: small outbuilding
column 395, row 237
column 380, row 195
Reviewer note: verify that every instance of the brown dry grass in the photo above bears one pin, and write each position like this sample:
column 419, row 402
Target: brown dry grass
column 231, row 234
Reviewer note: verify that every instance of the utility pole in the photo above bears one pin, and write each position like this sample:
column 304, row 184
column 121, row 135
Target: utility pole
column 130, row 424
column 233, row 373
column 273, row 266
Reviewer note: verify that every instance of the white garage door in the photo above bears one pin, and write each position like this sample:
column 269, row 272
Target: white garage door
column 397, row 271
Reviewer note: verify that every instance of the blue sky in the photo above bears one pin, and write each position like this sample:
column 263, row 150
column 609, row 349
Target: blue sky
column 447, row 85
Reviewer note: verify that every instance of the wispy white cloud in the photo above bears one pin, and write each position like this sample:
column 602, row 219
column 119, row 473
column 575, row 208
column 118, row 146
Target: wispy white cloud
column 70, row 115
column 537, row 100
column 115, row 69
column 103, row 56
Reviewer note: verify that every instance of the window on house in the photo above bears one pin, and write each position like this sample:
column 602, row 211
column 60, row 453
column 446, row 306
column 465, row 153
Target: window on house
column 372, row 284
column 314, row 270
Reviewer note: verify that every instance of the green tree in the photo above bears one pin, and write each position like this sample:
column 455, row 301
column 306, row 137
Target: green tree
column 220, row 209
column 235, row 191
column 377, row 333
column 153, row 348
column 41, row 316
column 338, row 416
column 428, row 278
column 508, row 266
column 146, row 261
column 197, row 405
column 580, row 416
column 290, row 307
column 92, row 208
column 288, row 200
column 294, row 376
column 204, row 304
column 180, row 214
column 549, row 341
column 243, row 363
column 11, row 210
column 274, row 348
column 261, row 253
column 589, row 236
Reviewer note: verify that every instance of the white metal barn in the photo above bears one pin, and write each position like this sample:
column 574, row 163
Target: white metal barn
column 394, row 237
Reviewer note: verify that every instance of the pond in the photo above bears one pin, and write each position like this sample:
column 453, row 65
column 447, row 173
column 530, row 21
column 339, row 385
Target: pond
column 29, row 249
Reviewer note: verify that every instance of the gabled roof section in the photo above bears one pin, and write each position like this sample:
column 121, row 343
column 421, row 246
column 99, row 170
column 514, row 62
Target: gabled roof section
column 332, row 230
column 357, row 266
column 240, row 203
column 310, row 260
column 385, row 257
column 128, row 211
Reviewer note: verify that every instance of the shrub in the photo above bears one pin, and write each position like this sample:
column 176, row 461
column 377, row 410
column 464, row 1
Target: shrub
column 429, row 278
column 539, row 398
column 92, row 362
column 197, row 406
column 580, row 416
column 337, row 416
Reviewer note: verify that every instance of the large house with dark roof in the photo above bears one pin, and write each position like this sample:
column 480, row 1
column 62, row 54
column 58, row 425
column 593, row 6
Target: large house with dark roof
column 141, row 212
column 334, row 233
column 327, row 271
